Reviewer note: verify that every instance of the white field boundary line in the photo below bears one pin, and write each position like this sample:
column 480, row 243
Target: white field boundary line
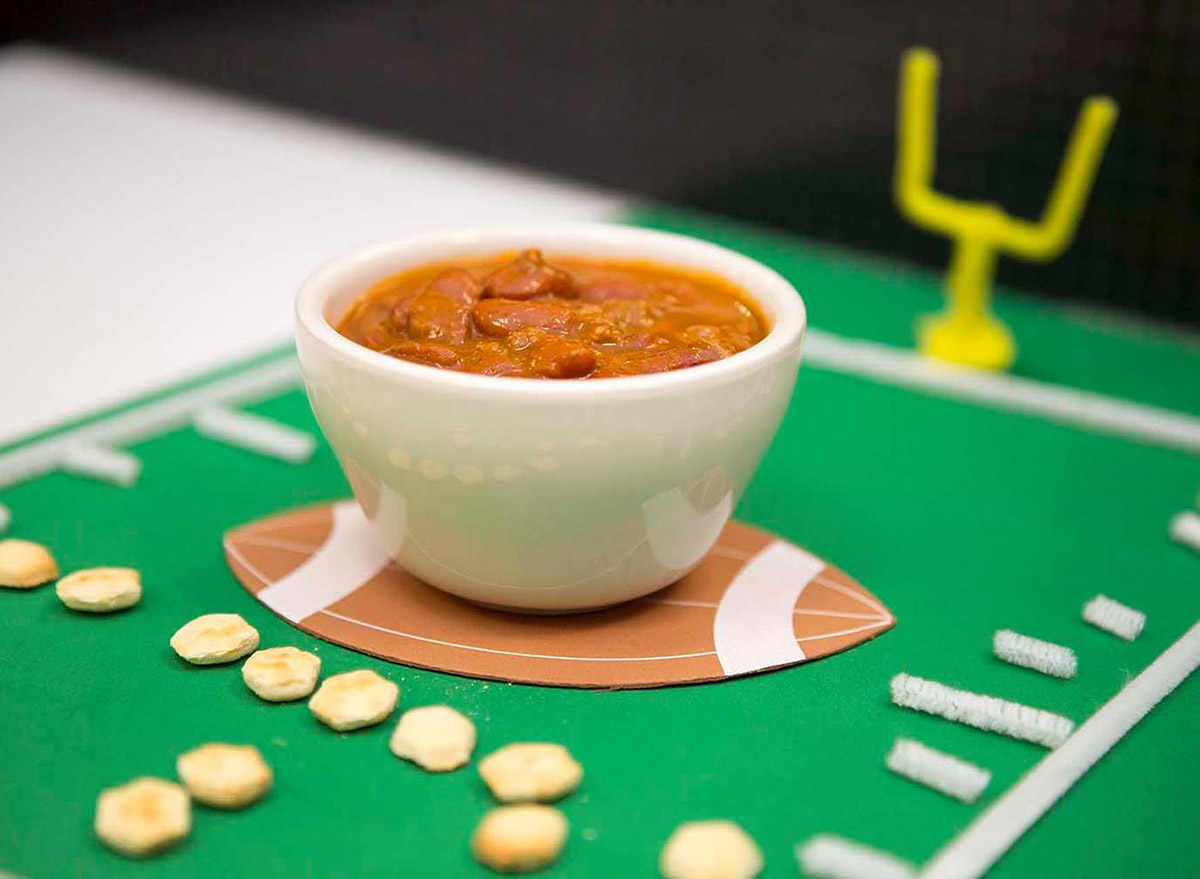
column 973, row 852
column 1085, row 409
column 869, row 360
column 150, row 419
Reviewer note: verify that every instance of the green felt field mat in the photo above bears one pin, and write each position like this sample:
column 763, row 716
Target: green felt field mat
column 962, row 518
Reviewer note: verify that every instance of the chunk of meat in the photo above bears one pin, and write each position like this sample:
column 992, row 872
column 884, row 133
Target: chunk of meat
column 563, row 358
column 499, row 317
column 527, row 276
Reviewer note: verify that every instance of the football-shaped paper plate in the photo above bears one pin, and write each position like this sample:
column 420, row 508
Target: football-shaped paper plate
column 756, row 602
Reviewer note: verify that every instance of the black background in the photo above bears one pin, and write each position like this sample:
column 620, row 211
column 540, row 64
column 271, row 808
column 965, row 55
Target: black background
column 780, row 112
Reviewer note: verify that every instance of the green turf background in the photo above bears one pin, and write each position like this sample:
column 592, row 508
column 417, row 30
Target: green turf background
column 962, row 519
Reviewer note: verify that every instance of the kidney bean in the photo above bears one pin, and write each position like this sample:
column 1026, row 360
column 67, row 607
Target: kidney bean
column 458, row 285
column 527, row 317
column 563, row 358
column 522, row 339
column 434, row 317
column 430, row 355
column 606, row 289
column 675, row 358
column 499, row 317
column 400, row 307
column 626, row 313
column 528, row 276
column 494, row 361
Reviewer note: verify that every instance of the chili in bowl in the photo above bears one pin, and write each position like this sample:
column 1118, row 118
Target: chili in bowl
column 570, row 317
column 548, row 418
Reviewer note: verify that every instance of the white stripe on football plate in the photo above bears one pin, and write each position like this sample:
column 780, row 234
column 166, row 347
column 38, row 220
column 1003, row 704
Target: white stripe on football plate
column 350, row 557
column 753, row 627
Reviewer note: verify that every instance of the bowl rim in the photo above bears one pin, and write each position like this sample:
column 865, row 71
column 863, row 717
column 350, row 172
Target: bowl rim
column 768, row 287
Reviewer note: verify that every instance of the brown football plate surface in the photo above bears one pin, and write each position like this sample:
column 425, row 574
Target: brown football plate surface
column 728, row 617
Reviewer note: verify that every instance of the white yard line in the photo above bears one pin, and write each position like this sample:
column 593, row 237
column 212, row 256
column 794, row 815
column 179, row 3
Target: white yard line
column 823, row 350
column 151, row 419
column 974, row 851
column 1090, row 411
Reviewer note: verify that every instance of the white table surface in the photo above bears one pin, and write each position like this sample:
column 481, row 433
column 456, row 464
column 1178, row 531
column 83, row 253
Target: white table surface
column 149, row 232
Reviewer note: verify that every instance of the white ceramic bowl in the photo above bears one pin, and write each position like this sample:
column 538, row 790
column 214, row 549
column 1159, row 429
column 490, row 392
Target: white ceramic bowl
column 544, row 495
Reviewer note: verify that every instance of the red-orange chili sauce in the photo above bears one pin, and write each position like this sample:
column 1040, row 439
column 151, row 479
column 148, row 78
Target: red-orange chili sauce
column 570, row 317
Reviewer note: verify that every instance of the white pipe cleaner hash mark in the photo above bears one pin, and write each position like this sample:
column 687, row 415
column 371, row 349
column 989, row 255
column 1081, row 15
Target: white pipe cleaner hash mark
column 1185, row 529
column 938, row 770
column 99, row 462
column 1112, row 616
column 150, row 419
column 255, row 433
column 976, row 849
column 5, row 518
column 982, row 712
column 831, row 857
column 1043, row 656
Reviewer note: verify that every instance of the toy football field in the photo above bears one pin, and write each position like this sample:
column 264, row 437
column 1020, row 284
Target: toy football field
column 961, row 516
column 964, row 519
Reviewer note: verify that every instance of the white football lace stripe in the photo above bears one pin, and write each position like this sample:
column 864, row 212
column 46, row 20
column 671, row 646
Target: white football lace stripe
column 349, row 558
column 278, row 543
column 974, row 852
column 1114, row 617
column 982, row 712
column 753, row 627
column 98, row 462
column 938, row 770
column 831, row 857
column 1044, row 656
column 1185, row 529
column 255, row 433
